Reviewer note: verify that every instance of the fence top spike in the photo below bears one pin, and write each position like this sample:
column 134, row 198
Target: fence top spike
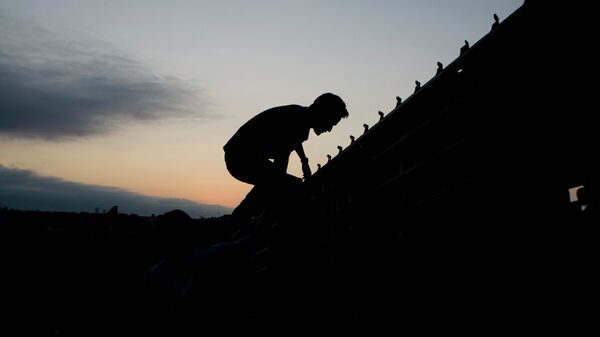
column 351, row 139
column 464, row 48
column 340, row 148
column 381, row 114
column 328, row 157
column 366, row 126
column 440, row 67
column 417, row 85
column 496, row 21
column 398, row 100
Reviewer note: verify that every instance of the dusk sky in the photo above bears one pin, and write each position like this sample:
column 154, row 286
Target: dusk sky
column 139, row 97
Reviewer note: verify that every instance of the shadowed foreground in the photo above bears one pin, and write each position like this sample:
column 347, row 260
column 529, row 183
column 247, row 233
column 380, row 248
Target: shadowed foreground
column 454, row 212
column 80, row 274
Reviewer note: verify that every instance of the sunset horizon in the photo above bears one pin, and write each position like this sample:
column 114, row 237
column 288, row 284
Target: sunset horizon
column 99, row 101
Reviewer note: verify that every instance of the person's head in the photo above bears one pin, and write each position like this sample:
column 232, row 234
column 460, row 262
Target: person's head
column 326, row 111
column 176, row 230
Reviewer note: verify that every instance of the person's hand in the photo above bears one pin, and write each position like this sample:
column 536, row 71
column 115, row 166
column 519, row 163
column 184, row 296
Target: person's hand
column 306, row 169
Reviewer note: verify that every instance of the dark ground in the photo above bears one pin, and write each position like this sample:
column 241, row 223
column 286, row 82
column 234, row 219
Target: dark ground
column 74, row 274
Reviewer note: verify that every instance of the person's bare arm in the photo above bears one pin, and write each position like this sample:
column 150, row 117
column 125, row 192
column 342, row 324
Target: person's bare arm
column 281, row 162
column 304, row 160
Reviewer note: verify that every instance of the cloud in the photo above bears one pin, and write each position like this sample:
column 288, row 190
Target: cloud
column 56, row 86
column 25, row 190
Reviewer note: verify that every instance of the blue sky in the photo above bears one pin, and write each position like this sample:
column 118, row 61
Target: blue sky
column 142, row 95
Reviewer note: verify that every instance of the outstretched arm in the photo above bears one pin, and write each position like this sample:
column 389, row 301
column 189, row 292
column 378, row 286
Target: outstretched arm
column 281, row 162
column 304, row 160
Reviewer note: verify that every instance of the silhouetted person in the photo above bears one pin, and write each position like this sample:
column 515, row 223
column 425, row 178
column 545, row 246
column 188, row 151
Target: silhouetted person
column 175, row 231
column 258, row 153
column 190, row 288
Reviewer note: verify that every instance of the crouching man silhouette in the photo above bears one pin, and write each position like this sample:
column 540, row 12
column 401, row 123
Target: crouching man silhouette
column 258, row 153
